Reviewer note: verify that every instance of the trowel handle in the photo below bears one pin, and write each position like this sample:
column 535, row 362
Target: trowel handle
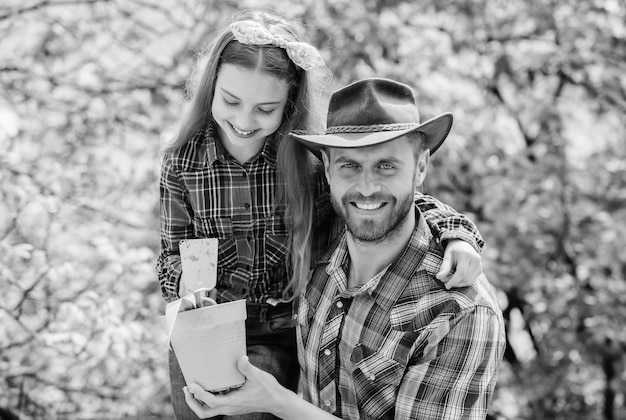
column 209, row 298
column 213, row 294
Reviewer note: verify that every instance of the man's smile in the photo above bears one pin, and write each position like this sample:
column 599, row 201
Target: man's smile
column 368, row 206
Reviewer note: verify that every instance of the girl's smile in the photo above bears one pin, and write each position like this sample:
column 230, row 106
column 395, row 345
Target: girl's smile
column 241, row 133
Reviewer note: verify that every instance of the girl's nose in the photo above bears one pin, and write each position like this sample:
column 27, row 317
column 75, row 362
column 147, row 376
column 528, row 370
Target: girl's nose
column 244, row 121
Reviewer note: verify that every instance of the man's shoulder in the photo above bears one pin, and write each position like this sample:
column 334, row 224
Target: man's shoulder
column 480, row 294
column 425, row 299
column 431, row 293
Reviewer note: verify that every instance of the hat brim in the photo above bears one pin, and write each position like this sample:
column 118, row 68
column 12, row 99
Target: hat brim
column 435, row 130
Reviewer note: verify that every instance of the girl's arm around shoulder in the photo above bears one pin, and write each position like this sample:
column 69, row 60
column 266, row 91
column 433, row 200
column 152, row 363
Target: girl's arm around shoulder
column 460, row 238
column 447, row 223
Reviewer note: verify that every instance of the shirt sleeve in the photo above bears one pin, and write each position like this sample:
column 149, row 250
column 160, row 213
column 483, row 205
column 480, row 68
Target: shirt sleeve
column 456, row 374
column 446, row 223
column 176, row 218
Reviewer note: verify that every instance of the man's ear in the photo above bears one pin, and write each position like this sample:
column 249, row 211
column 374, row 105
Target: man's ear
column 421, row 167
column 326, row 160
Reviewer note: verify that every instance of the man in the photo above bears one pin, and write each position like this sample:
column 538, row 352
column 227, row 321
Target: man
column 379, row 336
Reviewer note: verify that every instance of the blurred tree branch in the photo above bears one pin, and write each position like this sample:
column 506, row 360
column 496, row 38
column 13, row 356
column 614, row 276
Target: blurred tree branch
column 17, row 11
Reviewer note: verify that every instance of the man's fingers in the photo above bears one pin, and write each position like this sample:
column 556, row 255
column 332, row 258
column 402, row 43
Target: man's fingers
column 203, row 403
column 251, row 372
column 244, row 366
column 199, row 394
column 195, row 405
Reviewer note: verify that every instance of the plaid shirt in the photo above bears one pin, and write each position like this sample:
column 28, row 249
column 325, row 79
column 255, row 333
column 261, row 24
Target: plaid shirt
column 205, row 193
column 400, row 346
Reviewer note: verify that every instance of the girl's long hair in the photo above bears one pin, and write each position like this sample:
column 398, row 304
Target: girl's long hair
column 303, row 112
column 299, row 192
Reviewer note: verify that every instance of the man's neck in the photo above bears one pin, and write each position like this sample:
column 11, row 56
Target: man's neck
column 369, row 258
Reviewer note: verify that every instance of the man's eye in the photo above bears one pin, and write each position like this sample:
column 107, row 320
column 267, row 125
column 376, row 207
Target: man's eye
column 386, row 166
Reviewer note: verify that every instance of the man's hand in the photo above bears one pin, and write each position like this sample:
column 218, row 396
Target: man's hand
column 260, row 393
column 461, row 265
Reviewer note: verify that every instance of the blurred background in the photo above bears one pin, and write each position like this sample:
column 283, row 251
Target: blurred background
column 537, row 158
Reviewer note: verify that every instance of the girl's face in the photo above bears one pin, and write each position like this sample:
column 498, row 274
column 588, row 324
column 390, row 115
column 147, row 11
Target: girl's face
column 247, row 107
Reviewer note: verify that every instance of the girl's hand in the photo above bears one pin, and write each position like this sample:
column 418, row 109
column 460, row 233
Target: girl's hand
column 184, row 288
column 260, row 393
column 461, row 265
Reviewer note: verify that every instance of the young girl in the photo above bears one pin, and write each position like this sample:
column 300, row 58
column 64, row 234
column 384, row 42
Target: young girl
column 221, row 178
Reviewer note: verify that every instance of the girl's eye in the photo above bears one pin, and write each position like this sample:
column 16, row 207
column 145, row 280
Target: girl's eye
column 266, row 112
column 228, row 103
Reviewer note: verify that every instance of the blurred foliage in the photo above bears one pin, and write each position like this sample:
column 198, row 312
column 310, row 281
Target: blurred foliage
column 537, row 158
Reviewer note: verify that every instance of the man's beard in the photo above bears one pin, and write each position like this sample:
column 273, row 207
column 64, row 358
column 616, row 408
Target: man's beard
column 373, row 230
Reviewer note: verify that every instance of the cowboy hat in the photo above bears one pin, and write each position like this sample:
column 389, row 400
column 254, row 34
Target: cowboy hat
column 373, row 111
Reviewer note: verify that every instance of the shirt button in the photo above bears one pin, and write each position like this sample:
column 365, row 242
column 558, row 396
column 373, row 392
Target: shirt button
column 246, row 206
column 371, row 376
column 327, row 403
column 327, row 352
column 339, row 304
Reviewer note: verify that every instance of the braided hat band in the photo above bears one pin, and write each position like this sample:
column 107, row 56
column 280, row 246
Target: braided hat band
column 370, row 128
column 303, row 55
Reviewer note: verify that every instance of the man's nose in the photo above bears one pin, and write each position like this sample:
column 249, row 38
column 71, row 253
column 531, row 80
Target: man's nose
column 368, row 183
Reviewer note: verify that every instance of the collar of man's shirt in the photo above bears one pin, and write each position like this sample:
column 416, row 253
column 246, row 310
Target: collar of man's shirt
column 339, row 267
column 414, row 254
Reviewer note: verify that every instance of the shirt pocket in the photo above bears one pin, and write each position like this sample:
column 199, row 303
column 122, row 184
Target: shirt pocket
column 376, row 380
column 375, row 367
column 221, row 228
column 276, row 241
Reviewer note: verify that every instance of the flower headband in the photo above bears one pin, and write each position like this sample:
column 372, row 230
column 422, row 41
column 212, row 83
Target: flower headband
column 302, row 54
